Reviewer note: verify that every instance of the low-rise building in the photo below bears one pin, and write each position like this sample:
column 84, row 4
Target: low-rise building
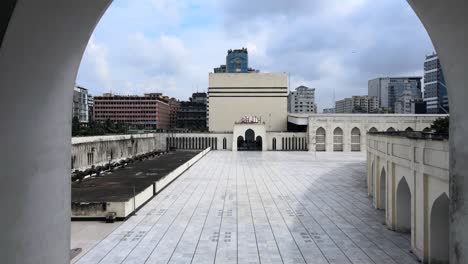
column 329, row 110
column 192, row 114
column 151, row 111
column 357, row 104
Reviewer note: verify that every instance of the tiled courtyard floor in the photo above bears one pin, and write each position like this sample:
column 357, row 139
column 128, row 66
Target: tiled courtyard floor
column 259, row 207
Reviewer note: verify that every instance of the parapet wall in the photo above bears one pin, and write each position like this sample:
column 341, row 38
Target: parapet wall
column 409, row 179
column 88, row 151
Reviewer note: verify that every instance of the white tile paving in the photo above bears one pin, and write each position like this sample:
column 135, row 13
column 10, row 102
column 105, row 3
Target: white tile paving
column 259, row 207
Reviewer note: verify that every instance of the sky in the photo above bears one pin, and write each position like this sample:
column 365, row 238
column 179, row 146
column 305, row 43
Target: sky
column 334, row 46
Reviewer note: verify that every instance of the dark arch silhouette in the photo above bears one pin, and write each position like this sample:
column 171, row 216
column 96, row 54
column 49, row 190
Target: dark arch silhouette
column 371, row 180
column 403, row 207
column 273, row 144
column 250, row 142
column 391, row 129
column 249, row 135
column 383, row 189
column 240, row 142
column 258, row 143
column 373, row 129
column 409, row 129
column 439, row 230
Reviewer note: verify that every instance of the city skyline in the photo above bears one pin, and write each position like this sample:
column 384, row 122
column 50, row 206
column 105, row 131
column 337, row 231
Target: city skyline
column 133, row 53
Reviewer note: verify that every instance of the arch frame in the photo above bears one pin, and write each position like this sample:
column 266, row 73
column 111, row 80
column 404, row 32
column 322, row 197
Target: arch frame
column 439, row 18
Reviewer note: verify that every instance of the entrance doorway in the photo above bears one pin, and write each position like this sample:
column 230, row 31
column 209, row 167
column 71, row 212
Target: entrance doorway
column 250, row 142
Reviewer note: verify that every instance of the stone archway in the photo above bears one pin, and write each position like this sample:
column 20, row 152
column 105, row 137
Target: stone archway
column 403, row 207
column 67, row 27
column 439, row 231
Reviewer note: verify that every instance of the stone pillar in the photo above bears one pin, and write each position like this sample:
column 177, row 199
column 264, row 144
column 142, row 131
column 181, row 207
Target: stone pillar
column 447, row 24
column 39, row 59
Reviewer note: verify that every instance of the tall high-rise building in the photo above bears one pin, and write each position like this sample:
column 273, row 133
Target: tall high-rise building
column 237, row 61
column 150, row 111
column 302, row 100
column 389, row 89
column 80, row 104
column 90, row 108
column 435, row 90
column 357, row 104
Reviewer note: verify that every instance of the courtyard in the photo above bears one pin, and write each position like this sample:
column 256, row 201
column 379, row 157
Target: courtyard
column 257, row 207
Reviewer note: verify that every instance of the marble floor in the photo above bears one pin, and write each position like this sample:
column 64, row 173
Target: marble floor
column 259, row 207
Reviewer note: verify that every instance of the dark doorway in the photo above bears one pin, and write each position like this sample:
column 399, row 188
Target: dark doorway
column 240, row 142
column 258, row 143
column 250, row 143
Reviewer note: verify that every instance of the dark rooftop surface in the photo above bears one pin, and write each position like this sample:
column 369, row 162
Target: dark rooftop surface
column 117, row 186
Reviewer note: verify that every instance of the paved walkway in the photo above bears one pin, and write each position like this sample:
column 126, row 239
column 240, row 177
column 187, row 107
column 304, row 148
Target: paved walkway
column 259, row 207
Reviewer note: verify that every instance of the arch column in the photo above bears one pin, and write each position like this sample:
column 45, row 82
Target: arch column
column 447, row 24
column 39, row 60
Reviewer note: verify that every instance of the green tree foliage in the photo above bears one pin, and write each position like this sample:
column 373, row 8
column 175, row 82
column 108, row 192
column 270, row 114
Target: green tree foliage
column 441, row 125
column 97, row 128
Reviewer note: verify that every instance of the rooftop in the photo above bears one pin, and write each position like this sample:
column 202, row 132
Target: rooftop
column 263, row 207
column 118, row 185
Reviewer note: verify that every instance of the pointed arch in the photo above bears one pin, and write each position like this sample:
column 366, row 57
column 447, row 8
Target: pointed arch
column 439, row 230
column 371, row 180
column 338, row 139
column 258, row 143
column 403, row 207
column 320, row 139
column 273, row 144
column 240, row 142
column 383, row 190
column 409, row 129
column 224, row 143
column 391, row 129
column 355, row 139
column 373, row 129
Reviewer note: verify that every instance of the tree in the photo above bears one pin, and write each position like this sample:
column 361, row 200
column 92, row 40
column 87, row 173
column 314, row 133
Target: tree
column 441, row 125
column 76, row 126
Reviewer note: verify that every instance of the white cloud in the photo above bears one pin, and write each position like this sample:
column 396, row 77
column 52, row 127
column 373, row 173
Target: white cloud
column 95, row 61
column 171, row 46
